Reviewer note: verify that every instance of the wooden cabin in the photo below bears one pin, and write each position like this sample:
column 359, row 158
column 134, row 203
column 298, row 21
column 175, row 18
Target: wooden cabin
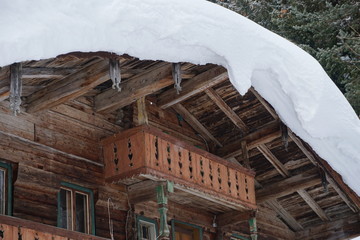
column 83, row 159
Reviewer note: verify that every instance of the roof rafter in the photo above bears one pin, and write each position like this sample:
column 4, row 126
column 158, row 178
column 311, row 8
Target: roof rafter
column 150, row 81
column 68, row 88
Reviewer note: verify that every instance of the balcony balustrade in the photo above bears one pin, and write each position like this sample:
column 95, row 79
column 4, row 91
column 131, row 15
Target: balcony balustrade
column 12, row 228
column 147, row 153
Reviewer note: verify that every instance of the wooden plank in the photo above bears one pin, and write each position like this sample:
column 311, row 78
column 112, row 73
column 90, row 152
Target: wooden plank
column 284, row 215
column 195, row 123
column 342, row 194
column 232, row 218
column 5, row 95
column 226, row 109
column 148, row 82
column 46, row 72
column 345, row 228
column 141, row 110
column 266, row 105
column 287, row 186
column 314, row 206
column 265, row 134
column 142, row 192
column 69, row 88
column 27, row 225
column 273, row 160
column 193, row 86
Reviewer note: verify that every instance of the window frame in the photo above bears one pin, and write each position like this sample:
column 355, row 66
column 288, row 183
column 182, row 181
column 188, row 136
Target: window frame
column 8, row 187
column 174, row 221
column 73, row 188
column 235, row 236
column 146, row 220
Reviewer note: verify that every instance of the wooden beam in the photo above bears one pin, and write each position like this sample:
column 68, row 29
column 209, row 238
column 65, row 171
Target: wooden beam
column 345, row 228
column 193, row 86
column 299, row 143
column 287, row 186
column 342, row 194
column 267, row 133
column 266, row 105
column 47, row 72
column 226, row 109
column 273, row 160
column 148, row 82
column 232, row 218
column 319, row 162
column 285, row 173
column 142, row 192
column 4, row 95
column 69, row 87
column 284, row 215
column 189, row 118
column 314, row 206
column 142, row 114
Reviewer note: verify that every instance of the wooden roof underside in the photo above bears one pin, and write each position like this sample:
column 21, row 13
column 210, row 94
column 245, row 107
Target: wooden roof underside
column 292, row 181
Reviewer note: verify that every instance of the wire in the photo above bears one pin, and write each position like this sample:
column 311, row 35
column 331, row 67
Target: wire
column 111, row 224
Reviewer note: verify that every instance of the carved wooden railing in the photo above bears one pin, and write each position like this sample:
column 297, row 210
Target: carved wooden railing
column 12, row 228
column 146, row 151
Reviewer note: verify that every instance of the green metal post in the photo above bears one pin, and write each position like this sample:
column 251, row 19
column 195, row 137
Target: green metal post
column 253, row 228
column 162, row 200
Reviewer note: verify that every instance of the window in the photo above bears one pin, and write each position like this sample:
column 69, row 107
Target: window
column 76, row 208
column 147, row 228
column 185, row 231
column 5, row 188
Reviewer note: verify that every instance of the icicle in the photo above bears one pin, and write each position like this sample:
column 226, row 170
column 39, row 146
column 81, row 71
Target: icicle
column 176, row 72
column 115, row 74
column 15, row 88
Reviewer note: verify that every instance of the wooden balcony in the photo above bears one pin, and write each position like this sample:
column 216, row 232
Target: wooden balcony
column 15, row 228
column 145, row 153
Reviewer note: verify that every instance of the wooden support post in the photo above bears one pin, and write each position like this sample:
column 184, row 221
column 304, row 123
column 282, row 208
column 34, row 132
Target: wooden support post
column 15, row 87
column 142, row 114
column 253, row 228
column 245, row 154
column 162, row 200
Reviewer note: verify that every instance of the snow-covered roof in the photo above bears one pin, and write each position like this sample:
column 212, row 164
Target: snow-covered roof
column 199, row 32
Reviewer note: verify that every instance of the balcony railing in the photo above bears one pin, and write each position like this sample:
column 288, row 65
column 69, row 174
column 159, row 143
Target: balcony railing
column 12, row 228
column 146, row 151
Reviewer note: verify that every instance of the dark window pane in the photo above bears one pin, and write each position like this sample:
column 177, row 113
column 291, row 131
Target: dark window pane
column 2, row 191
column 81, row 213
column 65, row 209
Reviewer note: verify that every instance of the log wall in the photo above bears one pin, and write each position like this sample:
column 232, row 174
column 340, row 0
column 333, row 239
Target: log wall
column 55, row 146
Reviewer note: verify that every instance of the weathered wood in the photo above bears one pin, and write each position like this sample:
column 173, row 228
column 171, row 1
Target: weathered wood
column 345, row 228
column 287, row 186
column 5, row 95
column 331, row 176
column 150, row 81
column 284, row 215
column 24, row 226
column 69, row 88
column 245, row 154
column 266, row 105
column 285, row 173
column 142, row 192
column 195, row 123
column 46, row 72
column 273, row 160
column 263, row 135
column 193, row 86
column 342, row 194
column 232, row 218
column 314, row 206
column 15, row 87
column 226, row 109
column 142, row 112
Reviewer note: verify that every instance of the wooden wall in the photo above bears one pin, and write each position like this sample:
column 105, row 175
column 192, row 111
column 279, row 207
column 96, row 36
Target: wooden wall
column 55, row 146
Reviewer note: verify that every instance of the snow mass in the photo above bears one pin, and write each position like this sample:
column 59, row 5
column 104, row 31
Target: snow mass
column 199, row 32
